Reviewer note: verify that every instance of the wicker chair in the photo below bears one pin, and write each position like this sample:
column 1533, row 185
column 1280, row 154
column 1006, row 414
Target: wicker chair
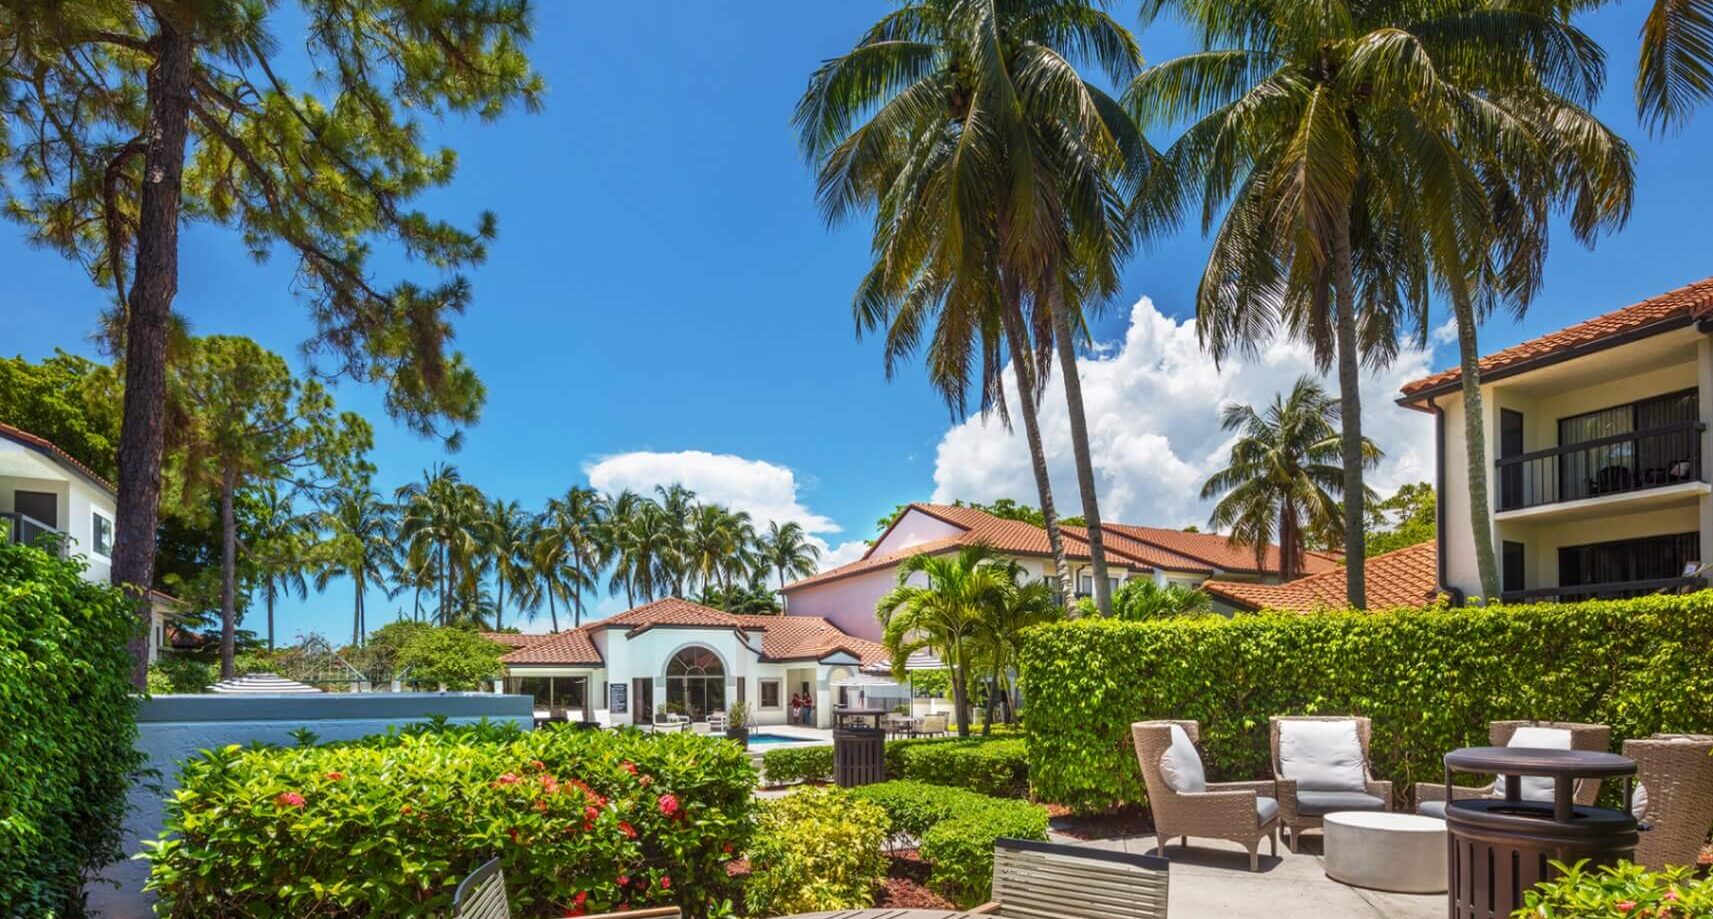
column 1242, row 812
column 1675, row 772
column 1582, row 737
column 1303, row 809
column 482, row 895
column 1044, row 880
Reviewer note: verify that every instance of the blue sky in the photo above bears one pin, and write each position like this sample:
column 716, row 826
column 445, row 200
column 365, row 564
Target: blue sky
column 663, row 296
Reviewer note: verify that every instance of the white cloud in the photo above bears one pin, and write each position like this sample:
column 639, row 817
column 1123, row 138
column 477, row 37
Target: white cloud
column 1153, row 402
column 767, row 491
column 1446, row 332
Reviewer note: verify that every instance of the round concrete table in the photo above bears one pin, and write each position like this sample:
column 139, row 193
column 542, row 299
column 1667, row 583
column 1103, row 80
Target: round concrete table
column 1403, row 853
column 887, row 914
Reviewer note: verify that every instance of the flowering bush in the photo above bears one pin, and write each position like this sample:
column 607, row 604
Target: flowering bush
column 67, row 725
column 1623, row 891
column 584, row 822
column 816, row 849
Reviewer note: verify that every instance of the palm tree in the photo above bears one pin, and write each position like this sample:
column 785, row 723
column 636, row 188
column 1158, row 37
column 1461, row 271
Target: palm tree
column 622, row 510
column 577, row 519
column 444, row 513
column 787, row 550
column 987, row 160
column 278, row 547
column 942, row 616
column 1309, row 120
column 359, row 528
column 1283, row 479
column 1675, row 72
column 678, row 504
column 1140, row 599
column 506, row 545
column 645, row 550
column 1021, row 602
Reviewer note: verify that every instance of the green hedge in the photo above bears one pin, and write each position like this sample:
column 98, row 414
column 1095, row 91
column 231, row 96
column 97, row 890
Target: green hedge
column 992, row 766
column 67, row 727
column 816, row 849
column 1430, row 679
column 955, row 830
column 797, row 764
column 584, row 821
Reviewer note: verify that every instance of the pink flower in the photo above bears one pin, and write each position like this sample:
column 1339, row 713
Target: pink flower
column 1626, row 906
column 666, row 882
column 289, row 799
column 624, row 879
column 1670, row 896
column 668, row 805
column 630, row 767
column 509, row 778
column 627, row 829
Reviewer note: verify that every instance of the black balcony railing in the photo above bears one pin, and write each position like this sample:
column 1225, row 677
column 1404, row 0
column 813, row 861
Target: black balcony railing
column 1615, row 590
column 22, row 528
column 1634, row 461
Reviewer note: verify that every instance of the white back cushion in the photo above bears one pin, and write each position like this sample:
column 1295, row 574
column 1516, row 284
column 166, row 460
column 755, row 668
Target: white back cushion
column 1321, row 755
column 1535, row 788
column 1181, row 765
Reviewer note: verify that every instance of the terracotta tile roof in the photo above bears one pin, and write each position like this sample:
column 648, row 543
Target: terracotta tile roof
column 52, row 450
column 514, row 639
column 1214, row 549
column 782, row 638
column 1670, row 309
column 1406, row 577
column 1138, row 548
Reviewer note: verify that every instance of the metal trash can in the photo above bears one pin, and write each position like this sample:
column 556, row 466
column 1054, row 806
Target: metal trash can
column 859, row 746
column 1499, row 848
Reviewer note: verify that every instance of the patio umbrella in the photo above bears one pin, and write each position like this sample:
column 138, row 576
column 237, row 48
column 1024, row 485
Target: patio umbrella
column 260, row 684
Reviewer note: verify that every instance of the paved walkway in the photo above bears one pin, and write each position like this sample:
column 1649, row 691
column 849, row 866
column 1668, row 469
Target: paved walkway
column 1212, row 878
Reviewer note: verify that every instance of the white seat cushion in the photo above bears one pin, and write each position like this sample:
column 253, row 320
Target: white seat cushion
column 1322, row 755
column 1431, row 809
column 1181, row 765
column 1321, row 803
column 1265, row 809
column 1535, row 788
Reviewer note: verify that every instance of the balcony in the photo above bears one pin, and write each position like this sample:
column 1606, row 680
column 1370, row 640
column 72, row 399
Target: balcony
column 1663, row 460
column 27, row 530
column 1615, row 590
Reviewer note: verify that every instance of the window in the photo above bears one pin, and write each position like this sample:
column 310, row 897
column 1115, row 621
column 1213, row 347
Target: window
column 695, row 683
column 1085, row 585
column 1512, row 564
column 770, row 692
column 103, row 530
column 1646, row 559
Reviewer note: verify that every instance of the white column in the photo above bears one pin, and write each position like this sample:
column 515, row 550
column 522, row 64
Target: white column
column 1704, row 396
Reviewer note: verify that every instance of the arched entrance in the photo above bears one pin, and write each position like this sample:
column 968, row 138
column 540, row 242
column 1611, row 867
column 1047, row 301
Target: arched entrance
column 695, row 682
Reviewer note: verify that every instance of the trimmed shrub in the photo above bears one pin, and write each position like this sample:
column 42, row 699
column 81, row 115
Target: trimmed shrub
column 1620, row 891
column 798, row 764
column 955, row 830
column 992, row 766
column 180, row 675
column 816, row 849
column 1430, row 679
column 67, row 728
column 584, row 821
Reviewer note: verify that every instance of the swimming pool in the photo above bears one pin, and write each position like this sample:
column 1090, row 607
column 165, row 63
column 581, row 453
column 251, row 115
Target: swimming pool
column 762, row 740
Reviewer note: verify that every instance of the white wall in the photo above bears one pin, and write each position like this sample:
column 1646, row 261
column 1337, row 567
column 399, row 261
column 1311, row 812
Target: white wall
column 172, row 729
column 24, row 469
column 914, row 528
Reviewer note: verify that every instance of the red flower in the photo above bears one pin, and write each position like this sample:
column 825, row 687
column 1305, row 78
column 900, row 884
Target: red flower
column 538, row 765
column 289, row 799
column 630, row 767
column 549, row 784
column 1626, row 906
column 541, row 804
column 624, row 879
column 666, row 882
column 580, row 898
column 627, row 829
column 335, row 776
column 591, row 813
column 509, row 778
column 668, row 805
column 575, row 911
column 1670, row 896
column 726, row 848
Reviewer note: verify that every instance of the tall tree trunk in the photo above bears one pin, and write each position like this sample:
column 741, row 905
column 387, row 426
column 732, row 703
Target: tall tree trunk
column 1475, row 441
column 228, row 576
column 1066, row 346
column 270, row 597
column 552, row 611
column 499, row 600
column 577, row 591
column 1350, row 407
column 142, row 434
column 960, row 696
column 1022, row 364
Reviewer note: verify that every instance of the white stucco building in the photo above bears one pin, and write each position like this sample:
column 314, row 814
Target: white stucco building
column 1596, row 455
column 44, row 492
column 676, row 655
column 846, row 596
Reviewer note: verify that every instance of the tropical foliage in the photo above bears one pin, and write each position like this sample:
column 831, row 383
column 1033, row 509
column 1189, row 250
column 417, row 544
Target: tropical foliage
column 813, row 850
column 1283, row 482
column 1621, row 891
column 1409, row 517
column 1141, row 599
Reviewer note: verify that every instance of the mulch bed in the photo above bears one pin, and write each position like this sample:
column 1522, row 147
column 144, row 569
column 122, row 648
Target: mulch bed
column 1129, row 820
column 907, row 884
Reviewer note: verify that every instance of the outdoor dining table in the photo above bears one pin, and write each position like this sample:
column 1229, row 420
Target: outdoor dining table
column 888, row 914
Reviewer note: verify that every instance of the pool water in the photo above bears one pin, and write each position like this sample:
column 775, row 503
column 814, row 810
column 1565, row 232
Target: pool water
column 762, row 740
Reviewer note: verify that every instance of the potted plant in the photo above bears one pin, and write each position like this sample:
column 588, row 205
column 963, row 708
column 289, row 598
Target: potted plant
column 737, row 724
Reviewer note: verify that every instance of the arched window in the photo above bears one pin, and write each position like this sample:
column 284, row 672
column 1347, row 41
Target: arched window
column 695, row 682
